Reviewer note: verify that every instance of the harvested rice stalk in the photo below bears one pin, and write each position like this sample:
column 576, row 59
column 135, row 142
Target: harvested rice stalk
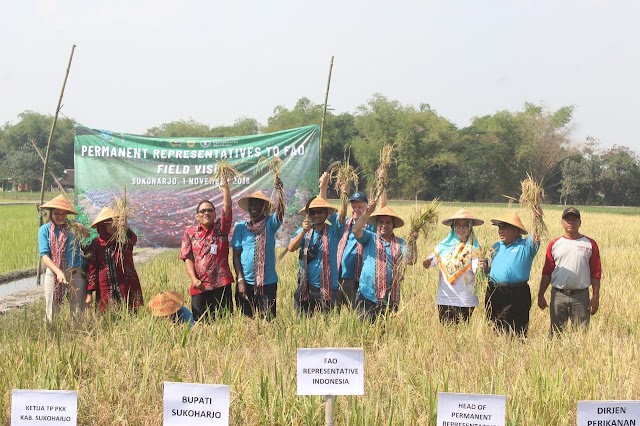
column 343, row 174
column 531, row 200
column 275, row 166
column 123, row 211
column 423, row 222
column 386, row 158
column 224, row 173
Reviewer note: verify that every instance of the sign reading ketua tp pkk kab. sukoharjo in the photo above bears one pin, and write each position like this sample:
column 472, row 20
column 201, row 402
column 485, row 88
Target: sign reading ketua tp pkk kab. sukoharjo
column 44, row 407
column 331, row 371
column 188, row 404
column 608, row 413
column 462, row 409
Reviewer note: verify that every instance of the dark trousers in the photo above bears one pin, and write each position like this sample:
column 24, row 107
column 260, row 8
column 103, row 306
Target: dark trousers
column 454, row 314
column 210, row 303
column 372, row 310
column 315, row 302
column 508, row 307
column 263, row 304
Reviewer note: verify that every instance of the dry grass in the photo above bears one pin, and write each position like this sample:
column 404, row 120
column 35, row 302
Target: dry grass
column 531, row 199
column 423, row 220
column 224, row 173
column 118, row 363
column 344, row 175
column 274, row 166
column 380, row 181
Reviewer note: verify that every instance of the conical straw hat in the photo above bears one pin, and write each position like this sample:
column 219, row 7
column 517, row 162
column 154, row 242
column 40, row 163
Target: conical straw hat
column 59, row 203
column 319, row 203
column 511, row 219
column 105, row 214
column 463, row 214
column 258, row 195
column 166, row 303
column 385, row 211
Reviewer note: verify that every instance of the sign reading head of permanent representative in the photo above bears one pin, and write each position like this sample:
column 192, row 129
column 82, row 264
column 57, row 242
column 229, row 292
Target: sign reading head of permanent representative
column 166, row 178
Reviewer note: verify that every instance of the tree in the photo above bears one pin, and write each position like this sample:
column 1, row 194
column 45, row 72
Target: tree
column 621, row 177
column 180, row 128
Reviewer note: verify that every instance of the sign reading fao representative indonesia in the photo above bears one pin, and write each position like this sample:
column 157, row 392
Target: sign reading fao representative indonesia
column 195, row 403
column 456, row 409
column 44, row 407
column 608, row 413
column 331, row 371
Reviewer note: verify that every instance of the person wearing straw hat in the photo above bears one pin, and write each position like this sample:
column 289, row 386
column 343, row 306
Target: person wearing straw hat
column 385, row 257
column 572, row 264
column 60, row 251
column 205, row 252
column 457, row 259
column 170, row 304
column 317, row 240
column 350, row 253
column 508, row 296
column 254, row 253
column 110, row 271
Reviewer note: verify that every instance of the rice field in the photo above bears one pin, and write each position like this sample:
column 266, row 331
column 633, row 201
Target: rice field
column 118, row 362
column 18, row 237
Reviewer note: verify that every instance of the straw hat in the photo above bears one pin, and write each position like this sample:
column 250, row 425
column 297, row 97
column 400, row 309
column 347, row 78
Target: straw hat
column 386, row 211
column 511, row 219
column 166, row 303
column 319, row 203
column 258, row 195
column 59, row 203
column 463, row 214
column 105, row 214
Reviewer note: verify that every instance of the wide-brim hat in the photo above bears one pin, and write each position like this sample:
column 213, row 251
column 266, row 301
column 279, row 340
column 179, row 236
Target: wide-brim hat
column 59, row 203
column 386, row 211
column 166, row 303
column 258, row 195
column 105, row 214
column 511, row 219
column 319, row 203
column 463, row 214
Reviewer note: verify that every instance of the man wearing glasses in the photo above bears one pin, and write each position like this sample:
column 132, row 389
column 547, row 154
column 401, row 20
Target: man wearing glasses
column 205, row 252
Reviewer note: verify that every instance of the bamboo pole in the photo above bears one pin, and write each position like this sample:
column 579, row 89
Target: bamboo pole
column 50, row 172
column 46, row 155
column 324, row 115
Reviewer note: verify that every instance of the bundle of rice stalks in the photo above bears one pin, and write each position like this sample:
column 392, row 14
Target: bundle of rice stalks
column 531, row 200
column 423, row 221
column 224, row 173
column 343, row 175
column 123, row 211
column 386, row 158
column 274, row 166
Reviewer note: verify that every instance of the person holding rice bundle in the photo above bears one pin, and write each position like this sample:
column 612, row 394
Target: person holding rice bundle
column 385, row 257
column 61, row 254
column 110, row 271
column 205, row 252
column 254, row 254
column 456, row 258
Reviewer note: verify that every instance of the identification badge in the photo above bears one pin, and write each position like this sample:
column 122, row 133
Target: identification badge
column 214, row 249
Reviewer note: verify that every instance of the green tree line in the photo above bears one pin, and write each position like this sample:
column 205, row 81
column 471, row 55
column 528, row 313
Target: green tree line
column 434, row 158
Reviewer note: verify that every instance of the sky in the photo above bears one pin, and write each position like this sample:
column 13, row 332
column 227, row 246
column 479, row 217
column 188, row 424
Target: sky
column 142, row 63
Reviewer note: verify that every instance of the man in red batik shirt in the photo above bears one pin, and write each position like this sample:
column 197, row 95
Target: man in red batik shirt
column 205, row 251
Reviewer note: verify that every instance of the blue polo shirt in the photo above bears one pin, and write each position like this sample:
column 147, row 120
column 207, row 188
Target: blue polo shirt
column 368, row 276
column 512, row 263
column 348, row 261
column 73, row 254
column 314, row 266
column 244, row 241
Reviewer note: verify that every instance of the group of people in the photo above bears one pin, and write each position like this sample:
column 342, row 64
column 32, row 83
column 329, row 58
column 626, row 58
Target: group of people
column 353, row 260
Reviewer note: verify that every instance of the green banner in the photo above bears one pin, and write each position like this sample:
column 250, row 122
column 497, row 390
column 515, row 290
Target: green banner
column 166, row 178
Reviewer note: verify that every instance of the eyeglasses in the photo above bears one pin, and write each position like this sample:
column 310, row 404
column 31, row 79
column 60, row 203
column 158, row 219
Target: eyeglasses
column 461, row 225
column 314, row 212
column 203, row 211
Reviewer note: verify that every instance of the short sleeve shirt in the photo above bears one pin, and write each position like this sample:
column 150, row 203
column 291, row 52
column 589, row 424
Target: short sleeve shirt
column 209, row 251
column 572, row 264
column 244, row 241
column 512, row 263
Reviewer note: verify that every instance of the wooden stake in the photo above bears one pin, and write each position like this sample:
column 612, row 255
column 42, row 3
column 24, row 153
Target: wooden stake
column 329, row 403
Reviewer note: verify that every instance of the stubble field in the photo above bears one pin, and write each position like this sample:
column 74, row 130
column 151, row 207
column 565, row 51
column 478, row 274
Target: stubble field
column 118, row 362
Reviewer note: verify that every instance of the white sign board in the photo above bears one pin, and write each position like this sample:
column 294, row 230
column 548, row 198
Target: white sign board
column 44, row 407
column 471, row 409
column 602, row 413
column 331, row 371
column 195, row 403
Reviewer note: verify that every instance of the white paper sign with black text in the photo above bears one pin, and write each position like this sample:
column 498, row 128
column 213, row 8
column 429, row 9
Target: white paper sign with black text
column 603, row 413
column 44, row 407
column 195, row 403
column 469, row 408
column 331, row 371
